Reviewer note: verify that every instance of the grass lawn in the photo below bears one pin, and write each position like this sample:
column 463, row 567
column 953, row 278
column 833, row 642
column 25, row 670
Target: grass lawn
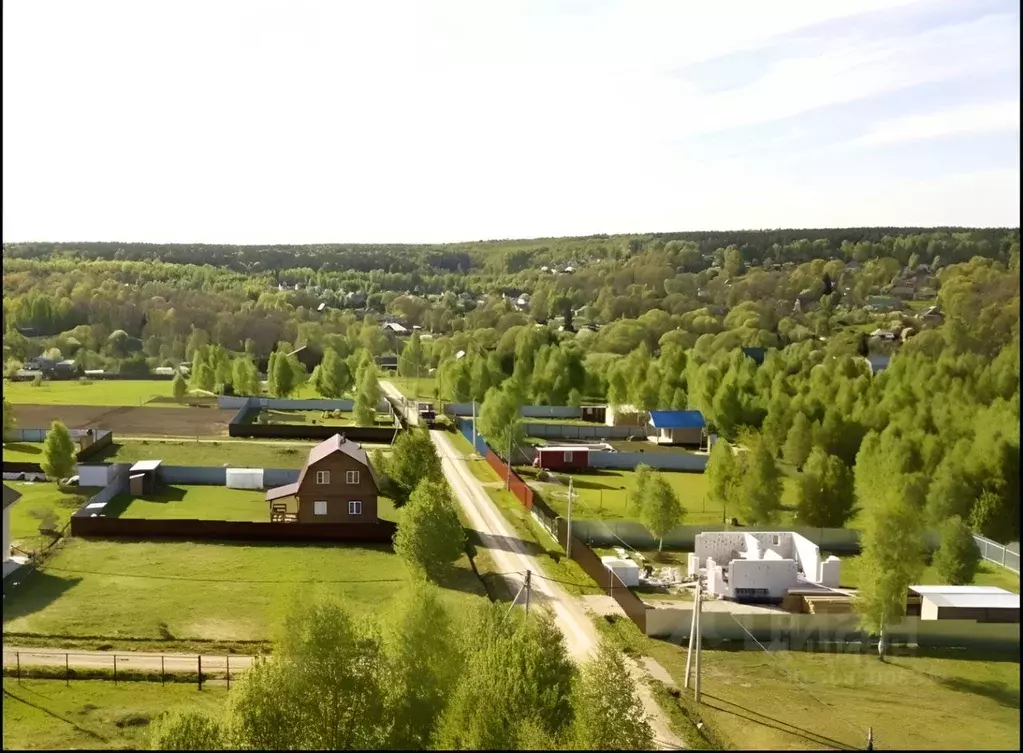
column 38, row 499
column 423, row 388
column 796, row 700
column 988, row 574
column 314, row 418
column 610, row 495
column 112, row 392
column 249, row 454
column 193, row 503
column 23, row 452
column 94, row 714
column 216, row 591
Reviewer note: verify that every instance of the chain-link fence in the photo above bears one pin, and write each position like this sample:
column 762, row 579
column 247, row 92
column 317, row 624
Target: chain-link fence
column 992, row 551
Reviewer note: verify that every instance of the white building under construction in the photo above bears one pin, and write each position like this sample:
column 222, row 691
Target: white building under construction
column 761, row 567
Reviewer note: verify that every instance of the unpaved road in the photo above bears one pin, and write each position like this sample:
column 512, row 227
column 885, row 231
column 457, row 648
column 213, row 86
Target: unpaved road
column 410, row 406
column 573, row 619
column 127, row 660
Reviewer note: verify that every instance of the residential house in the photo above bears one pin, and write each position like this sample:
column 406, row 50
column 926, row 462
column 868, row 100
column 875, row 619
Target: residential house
column 336, row 485
column 396, row 329
column 931, row 316
column 683, row 427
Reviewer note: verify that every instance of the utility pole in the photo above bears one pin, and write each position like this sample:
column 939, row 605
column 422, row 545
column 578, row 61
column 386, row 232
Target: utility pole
column 507, row 479
column 474, row 427
column 699, row 647
column 568, row 540
column 529, row 577
column 692, row 634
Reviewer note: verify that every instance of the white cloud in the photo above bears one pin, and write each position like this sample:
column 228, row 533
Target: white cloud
column 973, row 118
column 328, row 121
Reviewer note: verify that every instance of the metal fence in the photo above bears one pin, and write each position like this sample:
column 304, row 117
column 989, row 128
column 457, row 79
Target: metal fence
column 1006, row 556
column 130, row 665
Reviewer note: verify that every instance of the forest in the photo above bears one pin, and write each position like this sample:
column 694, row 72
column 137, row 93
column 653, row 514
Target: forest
column 767, row 333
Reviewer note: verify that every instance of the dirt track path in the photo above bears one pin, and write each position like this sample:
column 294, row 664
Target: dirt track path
column 574, row 620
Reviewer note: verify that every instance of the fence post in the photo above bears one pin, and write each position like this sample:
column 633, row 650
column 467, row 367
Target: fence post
column 199, row 657
column 163, row 676
column 115, row 669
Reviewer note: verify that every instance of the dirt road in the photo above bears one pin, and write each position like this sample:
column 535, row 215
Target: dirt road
column 573, row 619
column 170, row 663
column 410, row 407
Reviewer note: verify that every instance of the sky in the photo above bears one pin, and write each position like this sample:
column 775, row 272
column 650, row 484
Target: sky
column 423, row 122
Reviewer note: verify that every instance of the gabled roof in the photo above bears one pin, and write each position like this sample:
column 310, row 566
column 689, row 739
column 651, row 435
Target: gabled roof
column 328, row 447
column 677, row 419
column 10, row 496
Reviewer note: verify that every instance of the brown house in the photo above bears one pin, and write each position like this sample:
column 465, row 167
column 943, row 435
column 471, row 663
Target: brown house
column 335, row 486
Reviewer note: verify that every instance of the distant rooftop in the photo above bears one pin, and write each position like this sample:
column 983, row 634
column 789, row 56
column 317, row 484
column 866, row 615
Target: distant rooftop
column 975, row 597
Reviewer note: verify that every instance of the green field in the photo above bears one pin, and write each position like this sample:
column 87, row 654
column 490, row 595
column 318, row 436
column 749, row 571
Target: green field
column 610, row 495
column 94, row 714
column 423, row 388
column 217, row 591
column 989, row 574
column 23, row 452
column 193, row 503
column 113, row 392
column 38, row 499
column 790, row 700
column 247, row 454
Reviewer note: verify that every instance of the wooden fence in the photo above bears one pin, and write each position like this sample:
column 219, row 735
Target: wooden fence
column 518, row 487
column 381, row 532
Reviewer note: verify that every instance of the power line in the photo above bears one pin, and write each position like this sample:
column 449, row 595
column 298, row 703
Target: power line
column 794, row 679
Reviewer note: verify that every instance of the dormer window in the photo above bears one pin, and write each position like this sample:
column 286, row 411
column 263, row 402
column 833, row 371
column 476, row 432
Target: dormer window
column 322, row 477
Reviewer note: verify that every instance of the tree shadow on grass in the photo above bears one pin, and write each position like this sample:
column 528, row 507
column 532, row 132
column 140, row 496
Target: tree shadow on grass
column 24, row 448
column 996, row 691
column 11, row 696
column 27, row 594
column 728, row 707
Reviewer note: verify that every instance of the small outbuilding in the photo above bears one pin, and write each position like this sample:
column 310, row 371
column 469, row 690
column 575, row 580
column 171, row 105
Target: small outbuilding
column 681, row 427
column 142, row 477
column 980, row 603
column 596, row 414
column 569, row 459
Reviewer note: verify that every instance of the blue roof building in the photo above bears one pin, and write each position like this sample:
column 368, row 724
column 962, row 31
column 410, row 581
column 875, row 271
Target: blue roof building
column 684, row 427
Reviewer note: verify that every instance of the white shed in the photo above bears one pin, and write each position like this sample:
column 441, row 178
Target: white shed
column 244, row 478
column 626, row 570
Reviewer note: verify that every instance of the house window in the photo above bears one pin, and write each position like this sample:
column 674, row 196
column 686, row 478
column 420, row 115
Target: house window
column 568, row 457
column 355, row 507
column 320, row 507
column 776, row 540
column 351, row 477
column 322, row 477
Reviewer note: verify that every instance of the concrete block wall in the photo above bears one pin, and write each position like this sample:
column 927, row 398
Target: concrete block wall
column 777, row 576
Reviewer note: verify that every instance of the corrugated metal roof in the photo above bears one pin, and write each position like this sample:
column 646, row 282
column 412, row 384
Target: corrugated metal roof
column 288, row 490
column 677, row 419
column 1004, row 600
